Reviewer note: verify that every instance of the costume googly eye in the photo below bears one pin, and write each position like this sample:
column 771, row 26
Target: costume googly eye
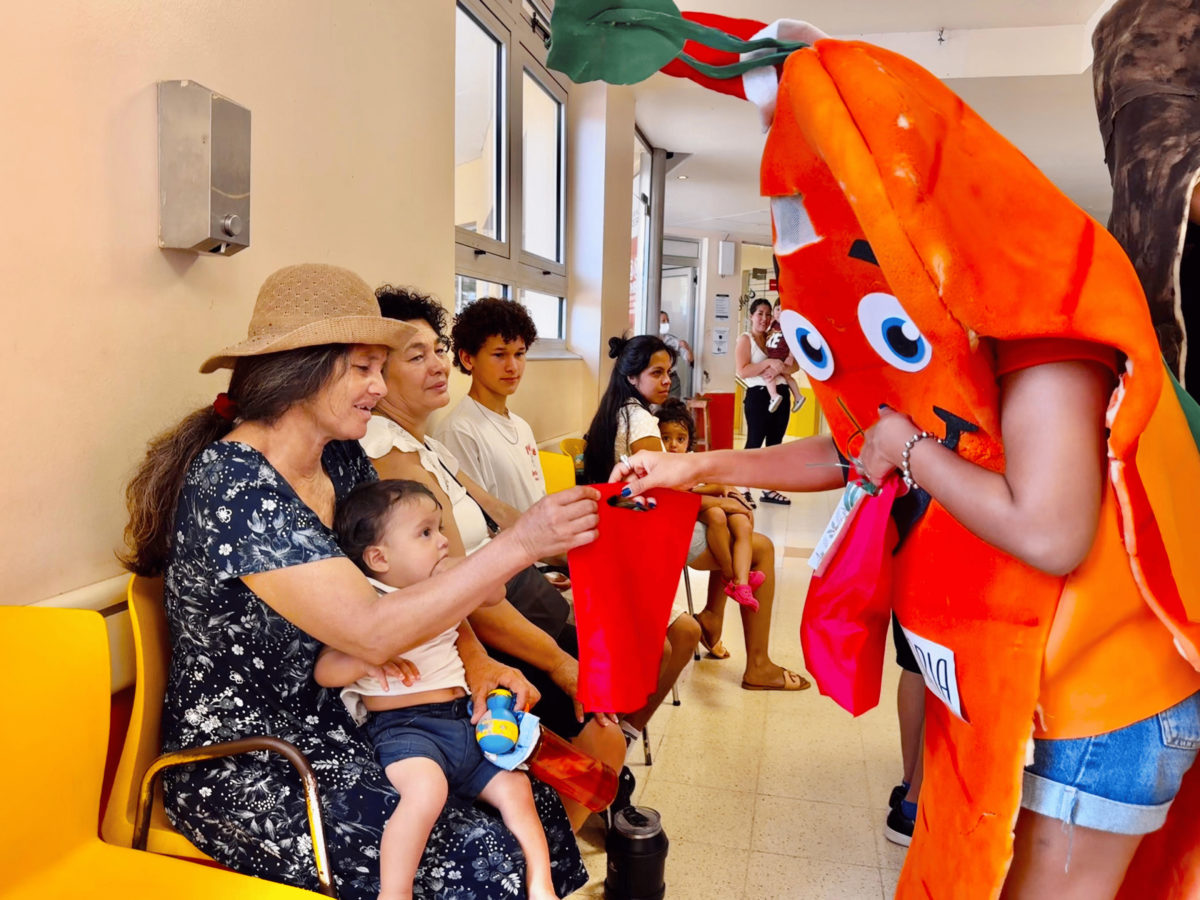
column 808, row 347
column 793, row 227
column 892, row 333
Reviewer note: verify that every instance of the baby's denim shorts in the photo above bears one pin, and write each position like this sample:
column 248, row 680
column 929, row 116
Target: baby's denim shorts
column 1121, row 782
column 439, row 731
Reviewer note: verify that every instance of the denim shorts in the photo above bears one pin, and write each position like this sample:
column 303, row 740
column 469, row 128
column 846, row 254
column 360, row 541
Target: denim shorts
column 1123, row 781
column 439, row 731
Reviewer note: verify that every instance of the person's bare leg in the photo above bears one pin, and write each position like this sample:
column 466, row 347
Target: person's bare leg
column 757, row 625
column 607, row 744
column 910, row 710
column 1066, row 862
column 421, row 784
column 918, row 773
column 682, row 636
column 772, row 391
column 512, row 796
column 720, row 542
column 742, row 533
column 712, row 617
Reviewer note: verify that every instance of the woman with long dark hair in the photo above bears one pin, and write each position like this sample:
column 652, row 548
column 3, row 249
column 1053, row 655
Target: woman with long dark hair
column 624, row 424
column 234, row 507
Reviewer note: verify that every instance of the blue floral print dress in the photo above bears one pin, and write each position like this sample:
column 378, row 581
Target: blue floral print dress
column 238, row 668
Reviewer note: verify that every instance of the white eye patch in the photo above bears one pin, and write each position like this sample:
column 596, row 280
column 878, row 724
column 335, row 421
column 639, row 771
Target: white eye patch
column 793, row 227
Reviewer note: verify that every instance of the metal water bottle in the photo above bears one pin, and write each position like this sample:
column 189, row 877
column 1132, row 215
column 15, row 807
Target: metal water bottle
column 637, row 855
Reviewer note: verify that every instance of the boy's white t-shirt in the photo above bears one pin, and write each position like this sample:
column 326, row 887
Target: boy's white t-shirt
column 634, row 422
column 498, row 453
column 437, row 661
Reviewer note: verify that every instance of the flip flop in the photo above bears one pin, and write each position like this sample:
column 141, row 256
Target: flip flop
column 791, row 682
column 715, row 648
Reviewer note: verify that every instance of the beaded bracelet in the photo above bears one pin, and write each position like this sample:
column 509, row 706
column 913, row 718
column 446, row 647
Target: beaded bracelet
column 905, row 472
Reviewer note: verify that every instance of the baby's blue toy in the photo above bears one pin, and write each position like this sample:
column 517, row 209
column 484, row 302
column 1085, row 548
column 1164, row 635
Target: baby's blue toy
column 498, row 730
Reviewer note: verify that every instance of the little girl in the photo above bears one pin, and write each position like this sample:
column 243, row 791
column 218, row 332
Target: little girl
column 422, row 731
column 725, row 518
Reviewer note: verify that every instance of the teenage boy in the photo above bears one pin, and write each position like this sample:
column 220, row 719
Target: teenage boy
column 494, row 446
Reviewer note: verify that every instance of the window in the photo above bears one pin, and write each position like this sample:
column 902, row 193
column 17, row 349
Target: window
column 510, row 161
column 639, row 235
column 478, row 128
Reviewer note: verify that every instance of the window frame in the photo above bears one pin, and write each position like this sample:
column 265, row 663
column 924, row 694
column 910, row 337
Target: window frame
column 507, row 261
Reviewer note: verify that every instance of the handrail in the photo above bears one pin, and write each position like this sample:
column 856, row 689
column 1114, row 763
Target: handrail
column 316, row 824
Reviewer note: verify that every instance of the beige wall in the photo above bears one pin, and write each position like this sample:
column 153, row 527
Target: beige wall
column 353, row 158
column 103, row 331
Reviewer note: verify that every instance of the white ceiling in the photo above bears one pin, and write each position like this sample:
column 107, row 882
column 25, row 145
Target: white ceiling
column 1024, row 66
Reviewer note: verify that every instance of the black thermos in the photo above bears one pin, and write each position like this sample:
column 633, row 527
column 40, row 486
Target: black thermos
column 637, row 856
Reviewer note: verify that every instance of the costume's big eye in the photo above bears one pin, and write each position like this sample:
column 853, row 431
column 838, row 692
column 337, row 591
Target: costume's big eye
column 793, row 228
column 892, row 333
column 808, row 347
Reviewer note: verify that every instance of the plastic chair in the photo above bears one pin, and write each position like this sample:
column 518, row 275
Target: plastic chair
column 55, row 709
column 699, row 411
column 574, row 448
column 135, row 816
column 557, row 470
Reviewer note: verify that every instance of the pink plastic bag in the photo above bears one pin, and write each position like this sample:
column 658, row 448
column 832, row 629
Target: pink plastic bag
column 848, row 609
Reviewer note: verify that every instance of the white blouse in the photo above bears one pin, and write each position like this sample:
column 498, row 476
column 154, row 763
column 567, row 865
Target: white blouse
column 383, row 435
column 634, row 422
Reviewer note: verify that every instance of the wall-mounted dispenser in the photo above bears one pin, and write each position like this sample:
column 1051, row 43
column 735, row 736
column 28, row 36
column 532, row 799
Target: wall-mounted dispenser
column 203, row 170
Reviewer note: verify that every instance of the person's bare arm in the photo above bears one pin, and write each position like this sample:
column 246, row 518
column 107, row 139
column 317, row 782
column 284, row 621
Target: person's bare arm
column 747, row 369
column 503, row 627
column 484, row 674
column 646, row 443
column 398, row 464
column 1043, row 509
column 809, row 464
column 331, row 600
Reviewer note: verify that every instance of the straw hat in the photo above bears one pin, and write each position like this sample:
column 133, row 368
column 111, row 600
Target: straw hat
column 309, row 305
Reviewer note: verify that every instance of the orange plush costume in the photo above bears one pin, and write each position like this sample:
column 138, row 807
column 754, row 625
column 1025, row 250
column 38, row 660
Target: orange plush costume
column 911, row 239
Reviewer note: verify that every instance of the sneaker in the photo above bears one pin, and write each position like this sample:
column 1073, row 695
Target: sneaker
column 797, row 403
column 899, row 792
column 898, row 828
column 756, row 579
column 774, row 404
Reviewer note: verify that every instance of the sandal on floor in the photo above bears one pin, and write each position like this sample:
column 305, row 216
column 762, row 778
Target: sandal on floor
column 791, row 682
column 715, row 648
column 775, row 497
column 749, row 500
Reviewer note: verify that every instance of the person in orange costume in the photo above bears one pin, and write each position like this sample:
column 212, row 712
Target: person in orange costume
column 936, row 284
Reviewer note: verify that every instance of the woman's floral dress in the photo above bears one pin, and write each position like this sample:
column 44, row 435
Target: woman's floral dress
column 238, row 668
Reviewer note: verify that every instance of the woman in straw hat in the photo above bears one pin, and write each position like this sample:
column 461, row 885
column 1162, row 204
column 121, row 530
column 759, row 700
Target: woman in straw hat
column 234, row 507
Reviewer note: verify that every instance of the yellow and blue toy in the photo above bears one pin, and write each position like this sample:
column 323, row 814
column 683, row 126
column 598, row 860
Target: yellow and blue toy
column 497, row 731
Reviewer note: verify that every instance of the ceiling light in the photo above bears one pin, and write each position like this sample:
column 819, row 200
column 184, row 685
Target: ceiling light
column 681, row 177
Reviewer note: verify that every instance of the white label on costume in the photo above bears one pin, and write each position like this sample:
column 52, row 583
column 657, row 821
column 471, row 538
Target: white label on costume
column 937, row 665
column 842, row 513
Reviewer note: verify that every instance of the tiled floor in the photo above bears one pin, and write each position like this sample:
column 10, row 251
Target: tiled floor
column 768, row 795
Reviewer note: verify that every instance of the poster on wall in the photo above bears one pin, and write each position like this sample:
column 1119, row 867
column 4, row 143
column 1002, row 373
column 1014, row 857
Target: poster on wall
column 720, row 341
column 721, row 307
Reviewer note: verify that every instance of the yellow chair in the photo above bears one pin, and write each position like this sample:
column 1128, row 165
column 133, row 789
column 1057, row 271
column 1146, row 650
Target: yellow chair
column 574, row 448
column 135, row 792
column 55, row 709
column 557, row 470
